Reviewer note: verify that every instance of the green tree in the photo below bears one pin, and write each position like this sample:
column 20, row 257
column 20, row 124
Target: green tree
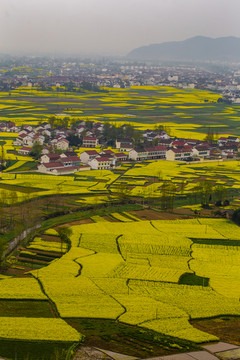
column 3, row 156
column 129, row 131
column 52, row 121
column 106, row 129
column 36, row 150
column 123, row 192
column 220, row 194
column 12, row 200
column 182, row 186
column 236, row 217
column 138, row 139
column 206, row 190
column 168, row 191
column 89, row 125
column 211, row 137
column 2, row 247
column 64, row 234
column 155, row 142
column 3, row 202
column 74, row 140
column 64, row 122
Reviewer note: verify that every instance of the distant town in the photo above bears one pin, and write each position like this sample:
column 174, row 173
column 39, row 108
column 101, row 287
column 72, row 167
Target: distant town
column 89, row 74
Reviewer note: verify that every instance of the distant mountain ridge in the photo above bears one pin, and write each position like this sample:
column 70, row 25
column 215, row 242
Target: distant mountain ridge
column 198, row 48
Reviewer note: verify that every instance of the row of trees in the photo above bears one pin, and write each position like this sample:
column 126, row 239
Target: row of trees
column 204, row 192
column 56, row 122
column 70, row 86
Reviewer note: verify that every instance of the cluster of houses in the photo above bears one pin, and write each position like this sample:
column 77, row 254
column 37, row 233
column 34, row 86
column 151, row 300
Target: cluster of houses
column 175, row 150
column 58, row 158
column 44, row 135
column 60, row 164
column 68, row 162
column 30, row 135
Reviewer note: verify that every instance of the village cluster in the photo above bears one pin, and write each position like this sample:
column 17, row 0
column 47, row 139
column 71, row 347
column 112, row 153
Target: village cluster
column 59, row 157
column 57, row 72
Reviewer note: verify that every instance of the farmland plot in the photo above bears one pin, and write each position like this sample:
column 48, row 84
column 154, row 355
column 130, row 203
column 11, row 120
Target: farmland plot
column 138, row 278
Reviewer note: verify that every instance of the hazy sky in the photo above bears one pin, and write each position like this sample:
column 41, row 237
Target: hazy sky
column 111, row 27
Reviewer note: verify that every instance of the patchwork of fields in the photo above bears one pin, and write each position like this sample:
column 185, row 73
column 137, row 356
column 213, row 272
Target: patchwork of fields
column 142, row 180
column 187, row 113
column 156, row 275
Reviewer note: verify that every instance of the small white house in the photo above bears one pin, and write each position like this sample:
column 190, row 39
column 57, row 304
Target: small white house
column 80, row 129
column 38, row 139
column 25, row 150
column 222, row 141
column 178, row 154
column 57, row 169
column 90, row 141
column 62, row 144
column 233, row 139
column 138, row 154
column 49, row 158
column 163, row 135
column 124, row 144
column 88, row 155
column 28, row 141
column 46, row 132
column 121, row 157
column 201, row 151
column 156, row 152
column 45, row 150
column 101, row 163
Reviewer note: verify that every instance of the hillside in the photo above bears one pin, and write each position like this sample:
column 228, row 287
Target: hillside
column 198, row 48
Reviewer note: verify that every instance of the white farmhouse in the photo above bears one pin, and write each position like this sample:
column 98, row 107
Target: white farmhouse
column 90, row 141
column 201, row 151
column 138, row 154
column 178, row 154
column 49, row 158
column 101, row 163
column 62, row 144
column 88, row 155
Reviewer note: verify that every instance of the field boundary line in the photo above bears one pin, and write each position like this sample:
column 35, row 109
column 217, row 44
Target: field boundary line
column 52, row 303
column 112, row 297
column 118, row 246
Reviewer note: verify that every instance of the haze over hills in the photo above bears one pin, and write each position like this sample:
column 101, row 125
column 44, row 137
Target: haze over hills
column 198, row 48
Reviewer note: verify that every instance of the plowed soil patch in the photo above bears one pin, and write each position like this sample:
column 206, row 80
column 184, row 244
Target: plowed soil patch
column 226, row 328
column 149, row 214
column 77, row 222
